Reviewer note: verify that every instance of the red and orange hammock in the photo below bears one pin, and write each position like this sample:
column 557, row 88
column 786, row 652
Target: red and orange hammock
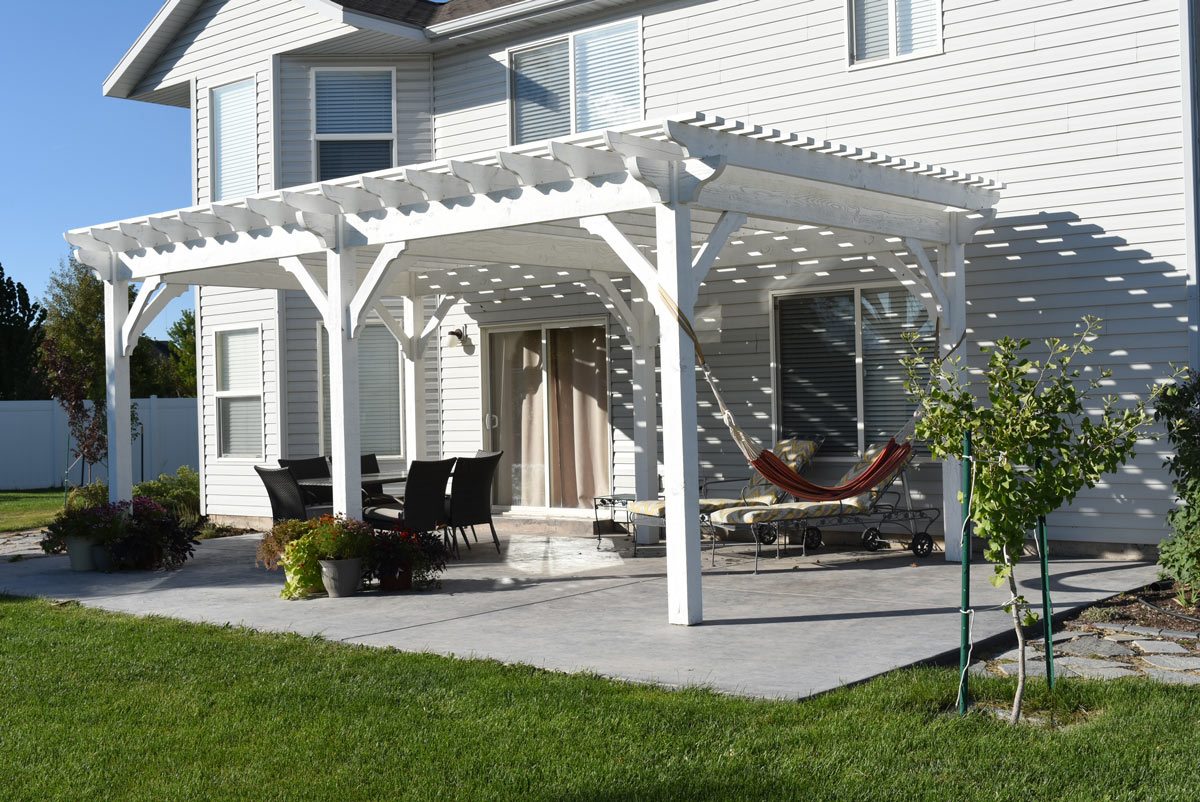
column 886, row 463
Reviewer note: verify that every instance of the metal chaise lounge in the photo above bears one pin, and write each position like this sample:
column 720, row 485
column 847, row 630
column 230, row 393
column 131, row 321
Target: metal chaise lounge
column 878, row 507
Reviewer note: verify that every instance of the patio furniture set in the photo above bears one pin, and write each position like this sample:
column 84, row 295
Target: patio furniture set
column 303, row 489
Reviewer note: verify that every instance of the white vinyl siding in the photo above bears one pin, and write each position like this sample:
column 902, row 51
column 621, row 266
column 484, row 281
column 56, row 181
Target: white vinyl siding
column 234, row 140
column 884, row 29
column 589, row 80
column 381, row 409
column 239, row 393
column 354, row 121
column 839, row 365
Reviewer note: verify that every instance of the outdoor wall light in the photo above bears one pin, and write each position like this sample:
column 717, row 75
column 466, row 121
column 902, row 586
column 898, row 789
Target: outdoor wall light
column 457, row 338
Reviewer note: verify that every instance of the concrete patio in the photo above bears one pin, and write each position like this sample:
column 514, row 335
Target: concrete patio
column 801, row 626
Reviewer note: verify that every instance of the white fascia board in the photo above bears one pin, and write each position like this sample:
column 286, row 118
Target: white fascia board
column 496, row 15
column 116, row 84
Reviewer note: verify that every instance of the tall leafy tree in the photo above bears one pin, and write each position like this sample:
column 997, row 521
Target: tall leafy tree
column 20, row 337
column 182, row 342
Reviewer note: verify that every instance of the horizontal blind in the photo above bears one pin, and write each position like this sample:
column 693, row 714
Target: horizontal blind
column 241, row 426
column 818, row 379
column 239, row 361
column 887, row 315
column 542, row 92
column 234, row 141
column 608, row 77
column 342, row 157
column 918, row 25
column 380, row 413
column 354, row 101
column 871, row 28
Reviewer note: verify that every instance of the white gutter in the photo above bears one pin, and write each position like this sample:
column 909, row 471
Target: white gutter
column 1190, row 83
column 494, row 15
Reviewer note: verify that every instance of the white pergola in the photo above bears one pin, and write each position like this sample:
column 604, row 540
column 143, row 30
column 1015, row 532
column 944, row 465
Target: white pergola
column 659, row 201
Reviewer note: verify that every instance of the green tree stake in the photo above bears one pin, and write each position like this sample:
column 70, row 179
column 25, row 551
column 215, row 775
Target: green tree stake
column 1047, row 608
column 964, row 648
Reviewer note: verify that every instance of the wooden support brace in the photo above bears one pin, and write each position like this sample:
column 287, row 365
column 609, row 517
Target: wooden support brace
column 435, row 320
column 372, row 285
column 902, row 268
column 601, row 226
column 728, row 223
column 146, row 308
column 308, row 283
column 932, row 277
column 617, row 305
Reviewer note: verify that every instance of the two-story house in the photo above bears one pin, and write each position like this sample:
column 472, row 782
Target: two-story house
column 424, row 229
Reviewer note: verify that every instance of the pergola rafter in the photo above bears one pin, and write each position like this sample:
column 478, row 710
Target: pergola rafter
column 662, row 203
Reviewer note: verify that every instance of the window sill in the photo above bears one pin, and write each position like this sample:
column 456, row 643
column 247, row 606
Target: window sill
column 855, row 66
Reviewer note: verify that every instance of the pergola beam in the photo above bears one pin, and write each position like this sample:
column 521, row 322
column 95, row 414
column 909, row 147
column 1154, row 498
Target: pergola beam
column 371, row 286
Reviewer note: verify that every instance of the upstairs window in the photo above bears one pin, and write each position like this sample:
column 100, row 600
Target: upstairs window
column 239, row 393
column 354, row 121
column 583, row 82
column 234, row 139
column 884, row 29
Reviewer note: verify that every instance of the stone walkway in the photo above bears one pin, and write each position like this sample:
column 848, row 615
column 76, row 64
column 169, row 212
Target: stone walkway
column 1108, row 651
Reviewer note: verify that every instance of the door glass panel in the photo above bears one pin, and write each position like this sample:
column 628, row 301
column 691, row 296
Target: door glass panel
column 578, row 419
column 517, row 418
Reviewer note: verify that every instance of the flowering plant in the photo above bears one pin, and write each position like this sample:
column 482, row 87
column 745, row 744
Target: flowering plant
column 141, row 534
column 397, row 551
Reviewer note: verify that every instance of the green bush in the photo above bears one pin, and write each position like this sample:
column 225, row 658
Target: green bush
column 179, row 493
column 1179, row 555
column 85, row 497
column 306, row 543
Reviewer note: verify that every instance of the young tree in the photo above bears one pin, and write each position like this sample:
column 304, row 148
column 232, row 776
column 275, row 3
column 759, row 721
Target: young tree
column 182, row 342
column 1039, row 438
column 20, row 336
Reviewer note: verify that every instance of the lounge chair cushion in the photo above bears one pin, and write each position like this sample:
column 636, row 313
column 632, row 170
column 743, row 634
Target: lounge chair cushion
column 791, row 511
column 657, row 508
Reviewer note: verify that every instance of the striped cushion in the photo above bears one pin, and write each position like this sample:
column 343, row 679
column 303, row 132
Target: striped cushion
column 657, row 508
column 791, row 511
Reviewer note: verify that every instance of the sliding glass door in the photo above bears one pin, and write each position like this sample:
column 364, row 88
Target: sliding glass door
column 548, row 412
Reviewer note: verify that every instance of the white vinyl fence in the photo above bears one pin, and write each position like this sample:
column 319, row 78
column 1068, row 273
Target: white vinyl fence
column 35, row 452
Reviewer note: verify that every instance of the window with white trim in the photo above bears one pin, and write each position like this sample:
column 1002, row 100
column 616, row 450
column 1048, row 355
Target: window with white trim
column 886, row 29
column 354, row 121
column 839, row 357
column 582, row 82
column 380, row 401
column 239, row 393
column 234, row 140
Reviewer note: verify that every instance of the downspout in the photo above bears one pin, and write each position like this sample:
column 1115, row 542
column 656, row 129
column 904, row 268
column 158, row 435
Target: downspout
column 1190, row 82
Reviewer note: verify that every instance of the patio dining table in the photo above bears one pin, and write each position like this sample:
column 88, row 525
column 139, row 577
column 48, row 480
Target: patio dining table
column 383, row 477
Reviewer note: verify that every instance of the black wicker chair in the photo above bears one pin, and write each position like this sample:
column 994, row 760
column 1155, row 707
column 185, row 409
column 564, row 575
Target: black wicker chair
column 470, row 502
column 373, row 494
column 423, row 509
column 311, row 468
column 287, row 498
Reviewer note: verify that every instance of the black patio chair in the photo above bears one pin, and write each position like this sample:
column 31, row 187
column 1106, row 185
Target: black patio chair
column 287, row 499
column 423, row 508
column 470, row 502
column 311, row 468
column 373, row 494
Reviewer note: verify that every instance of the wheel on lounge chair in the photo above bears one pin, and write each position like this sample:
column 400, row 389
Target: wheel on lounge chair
column 763, row 533
column 812, row 538
column 871, row 539
column 922, row 545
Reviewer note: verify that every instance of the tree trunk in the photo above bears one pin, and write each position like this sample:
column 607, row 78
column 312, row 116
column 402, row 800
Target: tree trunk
column 1019, row 696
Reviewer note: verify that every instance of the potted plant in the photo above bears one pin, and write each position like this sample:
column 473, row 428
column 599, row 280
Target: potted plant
column 402, row 560
column 275, row 542
column 332, row 549
column 137, row 535
column 82, row 532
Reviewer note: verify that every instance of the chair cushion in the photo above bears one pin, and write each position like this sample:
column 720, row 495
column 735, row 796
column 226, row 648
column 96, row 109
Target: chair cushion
column 387, row 514
column 791, row 511
column 317, row 510
column 657, row 508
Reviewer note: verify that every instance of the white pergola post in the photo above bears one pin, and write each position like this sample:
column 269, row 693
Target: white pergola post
column 343, row 383
column 645, row 417
column 116, row 363
column 952, row 267
column 681, row 482
column 414, row 377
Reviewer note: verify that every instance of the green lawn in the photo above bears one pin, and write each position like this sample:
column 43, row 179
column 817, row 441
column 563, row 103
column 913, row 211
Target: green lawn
column 28, row 509
column 102, row 706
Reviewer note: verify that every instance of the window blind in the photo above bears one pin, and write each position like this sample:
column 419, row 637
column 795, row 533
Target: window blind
column 241, row 426
column 342, row 157
column 239, row 401
column 608, row 80
column 887, row 315
column 818, row 381
column 871, row 29
column 239, row 361
column 542, row 92
column 234, row 141
column 917, row 25
column 354, row 101
column 380, row 412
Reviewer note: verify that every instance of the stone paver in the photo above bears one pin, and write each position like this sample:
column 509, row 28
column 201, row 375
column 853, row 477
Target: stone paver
column 1173, row 662
column 1172, row 677
column 1158, row 647
column 1091, row 646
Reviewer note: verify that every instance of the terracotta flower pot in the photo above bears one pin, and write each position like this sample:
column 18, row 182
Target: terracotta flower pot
column 341, row 577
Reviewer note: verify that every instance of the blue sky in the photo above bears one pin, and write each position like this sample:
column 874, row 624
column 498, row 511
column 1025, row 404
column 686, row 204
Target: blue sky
column 69, row 156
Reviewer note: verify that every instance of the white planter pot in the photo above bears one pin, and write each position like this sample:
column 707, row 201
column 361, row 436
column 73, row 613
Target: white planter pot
column 341, row 577
column 79, row 552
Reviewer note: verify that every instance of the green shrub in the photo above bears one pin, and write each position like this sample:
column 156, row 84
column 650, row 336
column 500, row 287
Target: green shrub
column 309, row 542
column 1179, row 554
column 85, row 497
column 179, row 493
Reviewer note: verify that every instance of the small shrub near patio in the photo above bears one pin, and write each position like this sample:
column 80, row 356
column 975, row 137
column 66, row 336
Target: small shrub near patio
column 324, row 538
column 1179, row 555
column 402, row 560
column 86, row 497
column 178, row 492
column 139, row 535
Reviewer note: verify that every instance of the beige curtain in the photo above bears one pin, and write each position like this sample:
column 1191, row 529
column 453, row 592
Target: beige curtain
column 518, row 404
column 579, row 432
